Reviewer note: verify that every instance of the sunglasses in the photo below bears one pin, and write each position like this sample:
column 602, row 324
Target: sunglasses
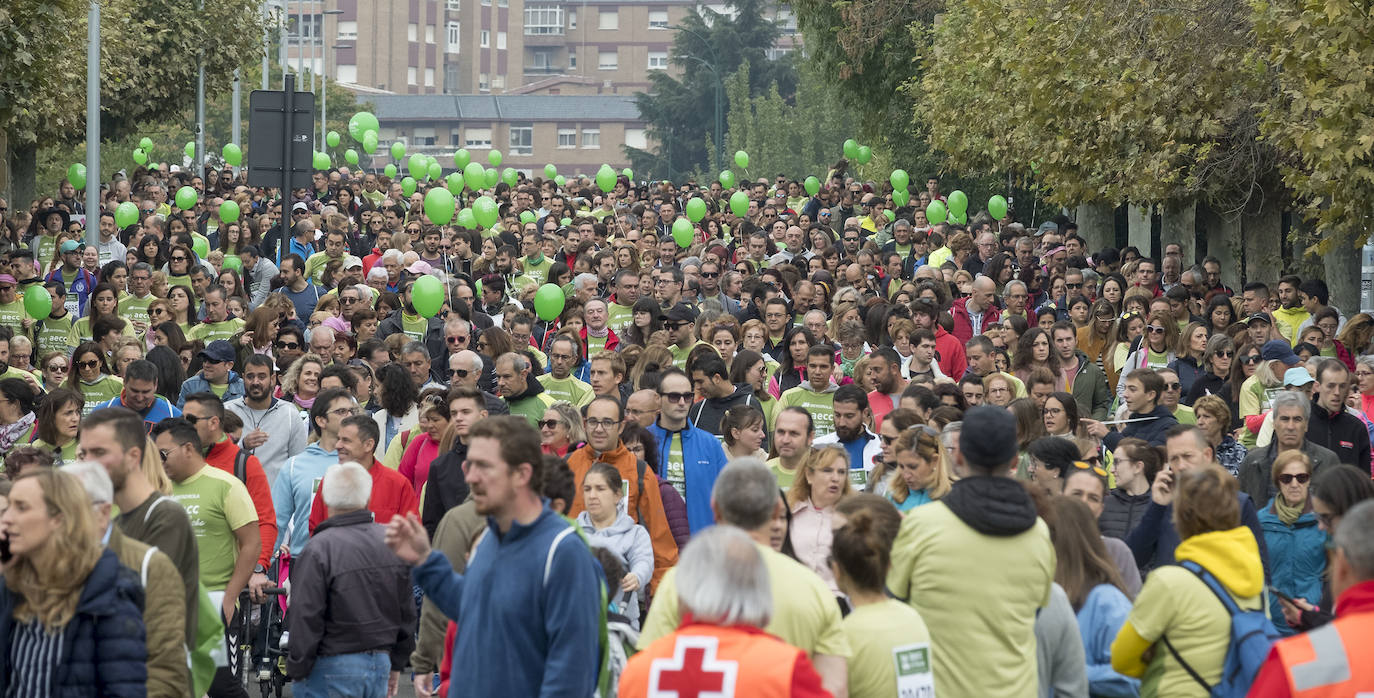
column 1288, row 478
column 548, row 423
column 288, row 345
column 1155, row 329
column 1251, row 359
column 57, row 368
column 457, row 340
column 1088, row 466
column 1173, row 386
column 676, row 397
column 191, row 419
column 87, row 364
column 1225, row 353
column 461, row 372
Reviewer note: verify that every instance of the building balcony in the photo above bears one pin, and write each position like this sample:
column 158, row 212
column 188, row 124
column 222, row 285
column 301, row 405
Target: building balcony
column 543, row 70
column 538, row 37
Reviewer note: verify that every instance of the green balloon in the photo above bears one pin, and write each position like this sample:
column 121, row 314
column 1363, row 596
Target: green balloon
column 484, row 210
column 232, row 261
column 550, row 171
column 145, row 143
column 427, row 295
column 560, row 180
column 389, row 171
column 462, row 158
column 232, row 154
column 190, row 149
column 229, row 211
column 629, row 174
column 891, row 215
column 492, row 177
column 398, row 150
column 742, row 159
column 901, row 197
column 439, row 205
column 739, row 204
column 494, row 157
column 851, row 149
column 510, row 176
column 958, row 202
column 727, row 179
column 76, row 174
column 435, row 170
column 474, row 175
column 997, row 206
column 321, row 161
column 548, row 302
column 960, row 218
column 361, row 124
column 332, row 138
column 865, row 154
column 200, row 245
column 186, row 198
column 682, row 231
column 417, row 166
column 696, row 210
column 527, row 216
column 370, row 142
column 454, row 181
column 936, row 212
column 899, row 179
column 466, row 219
column 812, row 185
column 605, row 179
column 140, row 156
column 37, row 302
column 351, row 156
column 126, row 214
column 408, row 186
column 565, row 221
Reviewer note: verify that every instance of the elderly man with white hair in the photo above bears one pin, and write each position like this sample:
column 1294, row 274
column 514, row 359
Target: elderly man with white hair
column 344, row 641
column 465, row 369
column 722, row 649
column 164, row 608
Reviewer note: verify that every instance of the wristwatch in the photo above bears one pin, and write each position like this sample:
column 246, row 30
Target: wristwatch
column 259, row 569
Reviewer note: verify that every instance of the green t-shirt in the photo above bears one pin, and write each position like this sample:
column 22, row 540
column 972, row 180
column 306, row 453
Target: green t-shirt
column 65, row 454
column 217, row 504
column 52, row 334
column 12, row 314
column 677, row 474
column 414, row 326
column 210, row 331
column 877, row 633
column 820, row 405
column 567, row 389
column 1155, row 360
column 680, row 353
column 219, row 389
column 619, row 317
column 135, row 309
column 538, row 272
column 596, row 345
column 104, row 389
column 314, row 267
column 182, row 281
column 784, row 477
column 81, row 331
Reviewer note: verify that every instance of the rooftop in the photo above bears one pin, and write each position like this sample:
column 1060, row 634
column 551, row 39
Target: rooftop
column 505, row 107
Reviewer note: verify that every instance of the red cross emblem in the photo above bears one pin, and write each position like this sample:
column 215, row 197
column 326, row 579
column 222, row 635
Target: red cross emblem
column 693, row 671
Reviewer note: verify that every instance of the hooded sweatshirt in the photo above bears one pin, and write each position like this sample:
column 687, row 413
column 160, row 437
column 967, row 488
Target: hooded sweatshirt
column 531, row 403
column 977, row 565
column 293, row 492
column 644, row 506
column 706, row 415
column 630, row 544
column 821, row 405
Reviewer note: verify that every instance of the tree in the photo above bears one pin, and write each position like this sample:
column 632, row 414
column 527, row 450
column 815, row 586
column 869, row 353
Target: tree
column 765, row 126
column 149, row 52
column 678, row 112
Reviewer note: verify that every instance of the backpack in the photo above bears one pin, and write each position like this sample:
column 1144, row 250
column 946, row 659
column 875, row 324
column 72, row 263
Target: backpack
column 1252, row 634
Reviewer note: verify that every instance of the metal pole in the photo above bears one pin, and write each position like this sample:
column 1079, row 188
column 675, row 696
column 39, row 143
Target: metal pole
column 324, row 92
column 282, row 41
column 311, row 42
column 198, row 162
column 237, row 116
column 300, row 38
column 266, row 45
column 284, row 237
column 93, row 123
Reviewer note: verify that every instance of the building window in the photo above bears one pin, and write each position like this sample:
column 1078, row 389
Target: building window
column 572, row 18
column 522, row 139
column 500, row 41
column 348, row 30
column 591, row 138
column 429, row 33
column 567, row 138
column 486, row 39
column 541, row 60
column 572, row 59
column 658, row 60
column 607, row 60
column 346, row 73
column 429, row 77
column 410, row 76
column 454, row 5
column 455, row 35
column 658, row 19
column 423, row 136
column 541, row 19
column 412, row 31
column 635, row 138
column 609, row 20
column 455, row 139
column 483, row 86
column 503, row 3
column 478, row 137
column 451, row 87
column 486, row 3
column 498, row 82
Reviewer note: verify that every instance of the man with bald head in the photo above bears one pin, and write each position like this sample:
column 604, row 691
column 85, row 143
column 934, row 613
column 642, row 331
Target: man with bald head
column 975, row 312
column 642, row 408
column 465, row 370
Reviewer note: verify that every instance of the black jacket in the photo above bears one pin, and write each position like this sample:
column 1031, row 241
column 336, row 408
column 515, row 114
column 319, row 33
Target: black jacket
column 446, row 487
column 434, row 335
column 706, row 415
column 1208, row 383
column 1342, row 433
column 349, row 594
column 1151, row 431
column 1120, row 513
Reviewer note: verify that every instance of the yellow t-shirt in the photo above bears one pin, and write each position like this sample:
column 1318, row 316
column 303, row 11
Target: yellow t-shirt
column 217, row 504
column 785, row 478
column 873, row 632
column 805, row 614
column 1177, row 602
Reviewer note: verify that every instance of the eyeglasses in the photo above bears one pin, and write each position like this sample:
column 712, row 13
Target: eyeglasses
column 1155, row 329
column 1225, row 353
column 348, row 301
column 192, row 419
column 548, row 423
column 593, row 424
column 339, row 411
column 461, row 372
column 710, row 274
column 288, row 345
column 1173, row 386
column 88, row 364
column 457, row 340
column 676, row 397
column 1068, row 285
column 56, row 368
column 163, row 453
column 1087, row 466
column 1251, row 359
column 1288, row 478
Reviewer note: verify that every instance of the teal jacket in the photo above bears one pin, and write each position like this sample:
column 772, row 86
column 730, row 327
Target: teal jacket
column 294, row 491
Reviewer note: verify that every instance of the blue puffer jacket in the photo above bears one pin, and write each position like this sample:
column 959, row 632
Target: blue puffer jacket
column 702, row 461
column 1297, row 559
column 104, row 650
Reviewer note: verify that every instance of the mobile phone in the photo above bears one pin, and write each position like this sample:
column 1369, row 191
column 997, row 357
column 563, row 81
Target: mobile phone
column 1282, row 595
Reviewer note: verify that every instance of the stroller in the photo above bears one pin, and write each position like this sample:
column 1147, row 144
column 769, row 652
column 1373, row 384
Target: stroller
column 259, row 639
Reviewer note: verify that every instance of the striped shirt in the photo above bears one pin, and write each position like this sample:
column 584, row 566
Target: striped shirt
column 34, row 655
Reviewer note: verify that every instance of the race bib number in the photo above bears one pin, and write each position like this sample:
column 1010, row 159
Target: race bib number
column 914, row 677
column 858, row 478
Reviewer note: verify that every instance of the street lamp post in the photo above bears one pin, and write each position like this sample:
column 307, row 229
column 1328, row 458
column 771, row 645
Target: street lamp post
column 715, row 72
column 93, row 123
column 324, row 74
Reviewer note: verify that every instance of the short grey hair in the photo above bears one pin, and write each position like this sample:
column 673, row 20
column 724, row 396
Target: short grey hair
column 722, row 579
column 414, row 347
column 392, row 255
column 1352, row 537
column 346, row 487
column 745, row 494
column 1292, row 398
column 1015, row 282
column 516, row 360
column 474, row 361
column 94, row 478
column 949, row 436
column 585, row 278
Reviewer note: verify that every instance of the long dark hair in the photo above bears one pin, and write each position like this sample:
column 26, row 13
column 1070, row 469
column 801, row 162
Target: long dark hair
column 51, row 404
column 633, row 335
column 73, row 378
column 398, row 392
column 788, row 368
column 170, row 373
column 1081, row 560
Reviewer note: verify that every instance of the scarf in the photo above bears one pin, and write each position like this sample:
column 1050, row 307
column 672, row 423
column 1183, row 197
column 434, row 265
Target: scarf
column 11, row 433
column 302, row 402
column 605, row 332
column 1288, row 515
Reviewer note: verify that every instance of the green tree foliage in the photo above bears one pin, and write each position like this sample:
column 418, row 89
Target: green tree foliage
column 680, row 112
column 766, row 127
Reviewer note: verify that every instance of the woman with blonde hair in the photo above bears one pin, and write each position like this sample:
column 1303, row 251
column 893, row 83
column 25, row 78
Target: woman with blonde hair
column 75, row 623
column 823, row 482
column 920, row 476
column 560, row 429
column 653, row 360
column 257, row 336
column 301, row 382
column 151, row 467
column 1214, row 419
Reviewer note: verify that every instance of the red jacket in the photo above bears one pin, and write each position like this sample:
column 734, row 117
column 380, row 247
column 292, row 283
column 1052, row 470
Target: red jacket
column 612, row 341
column 951, row 351
column 963, row 325
column 1353, row 629
column 222, row 456
column 392, row 494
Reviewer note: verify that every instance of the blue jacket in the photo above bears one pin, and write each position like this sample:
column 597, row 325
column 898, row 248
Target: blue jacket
column 104, row 649
column 530, row 619
column 702, row 461
column 198, row 384
column 1099, row 620
column 161, row 409
column 1154, row 539
column 1297, row 556
column 294, row 492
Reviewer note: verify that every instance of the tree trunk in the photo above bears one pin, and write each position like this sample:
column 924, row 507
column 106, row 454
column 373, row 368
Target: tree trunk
column 1097, row 225
column 1224, row 243
column 1138, row 234
column 1263, row 242
column 1180, row 226
column 1343, row 277
column 23, row 170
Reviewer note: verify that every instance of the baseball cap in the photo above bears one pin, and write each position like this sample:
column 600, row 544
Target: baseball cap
column 681, row 313
column 1297, row 377
column 987, row 437
column 419, row 267
column 1279, row 350
column 219, row 350
column 1047, row 227
column 300, row 206
column 70, row 246
column 1262, row 317
column 8, row 279
column 350, row 262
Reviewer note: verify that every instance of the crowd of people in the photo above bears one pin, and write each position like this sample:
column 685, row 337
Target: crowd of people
column 823, row 448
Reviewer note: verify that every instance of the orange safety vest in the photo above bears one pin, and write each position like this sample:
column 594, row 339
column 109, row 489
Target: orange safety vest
column 708, row 660
column 1332, row 660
